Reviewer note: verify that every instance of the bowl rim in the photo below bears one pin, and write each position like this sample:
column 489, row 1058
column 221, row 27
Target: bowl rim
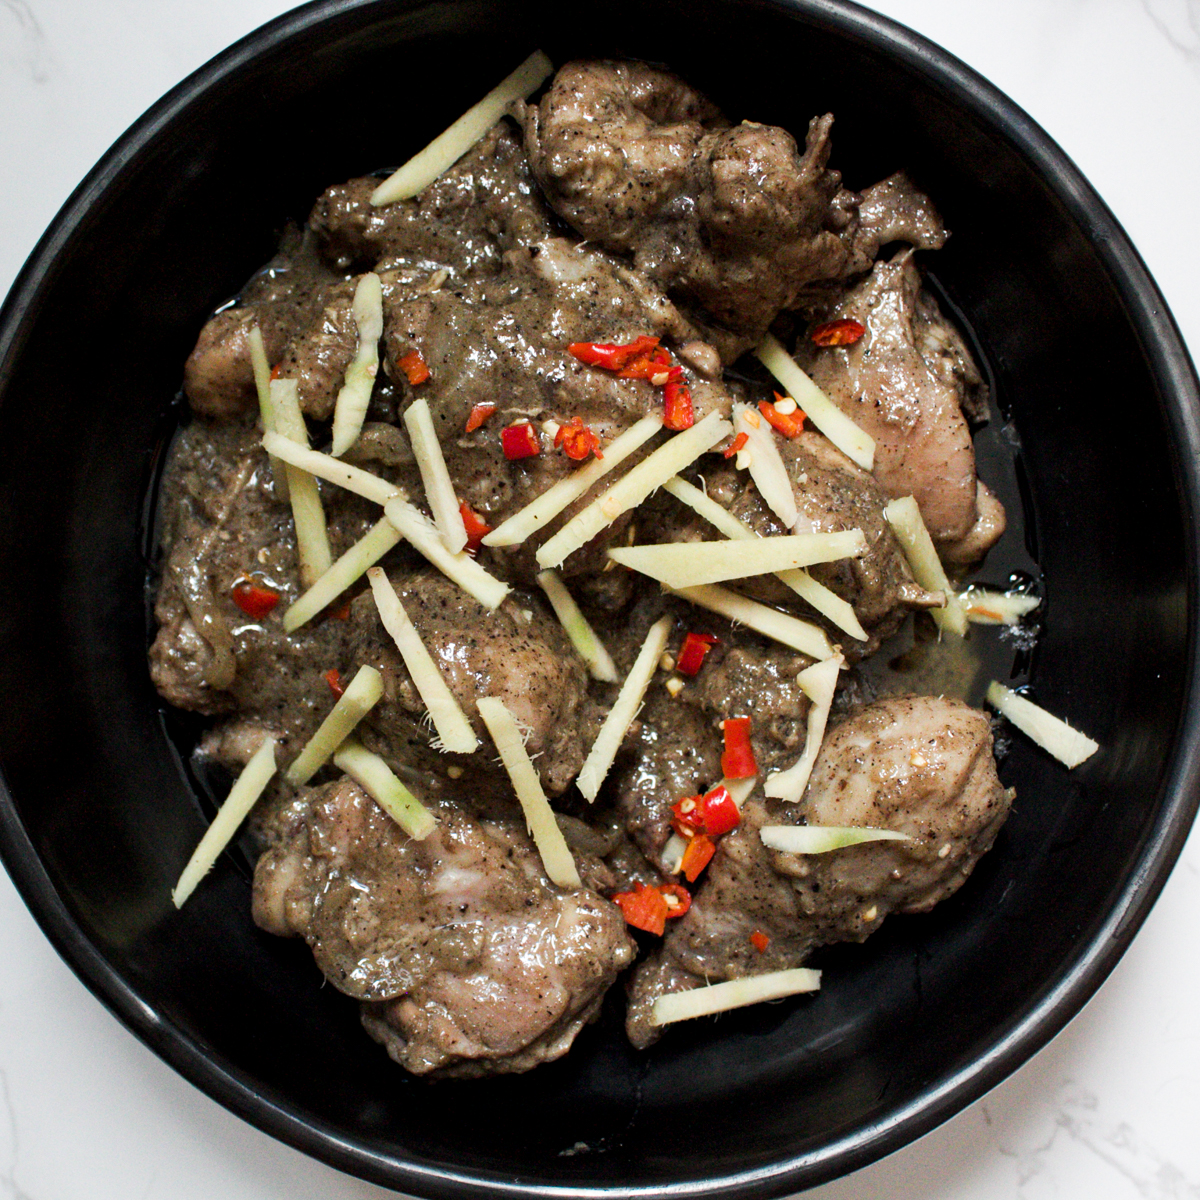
column 1169, row 363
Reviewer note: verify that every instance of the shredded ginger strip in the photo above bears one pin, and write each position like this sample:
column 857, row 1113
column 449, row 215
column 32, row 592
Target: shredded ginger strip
column 629, row 700
column 453, row 729
column 829, row 604
column 628, row 492
column 361, row 695
column 547, row 837
column 733, row 993
column 448, row 147
column 247, row 788
column 1052, row 733
column 852, row 441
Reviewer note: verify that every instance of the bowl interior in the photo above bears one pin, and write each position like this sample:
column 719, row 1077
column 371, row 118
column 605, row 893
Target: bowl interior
column 909, row 1027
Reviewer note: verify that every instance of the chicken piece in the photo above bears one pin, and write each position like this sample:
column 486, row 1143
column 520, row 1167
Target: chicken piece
column 218, row 379
column 317, row 355
column 893, row 210
column 990, row 523
column 465, row 221
column 221, row 524
column 735, row 219
column 906, row 382
column 311, row 338
column 467, row 960
column 675, row 748
column 286, row 299
column 504, row 342
column 519, row 653
column 461, row 226
column 613, row 144
column 675, row 752
column 918, row 765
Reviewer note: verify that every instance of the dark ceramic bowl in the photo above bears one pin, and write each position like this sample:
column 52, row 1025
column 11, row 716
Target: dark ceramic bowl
column 98, row 815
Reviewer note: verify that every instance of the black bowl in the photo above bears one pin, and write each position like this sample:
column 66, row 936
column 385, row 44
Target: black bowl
column 97, row 814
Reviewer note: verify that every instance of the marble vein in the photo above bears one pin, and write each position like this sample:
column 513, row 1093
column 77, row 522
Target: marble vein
column 8, row 1176
column 1074, row 1113
column 34, row 51
column 1179, row 23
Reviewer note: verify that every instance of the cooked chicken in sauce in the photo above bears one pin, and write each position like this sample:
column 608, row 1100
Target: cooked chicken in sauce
column 601, row 256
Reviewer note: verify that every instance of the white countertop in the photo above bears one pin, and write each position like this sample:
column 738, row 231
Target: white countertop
column 1109, row 1111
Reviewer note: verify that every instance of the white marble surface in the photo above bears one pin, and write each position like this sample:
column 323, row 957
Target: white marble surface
column 1109, row 1111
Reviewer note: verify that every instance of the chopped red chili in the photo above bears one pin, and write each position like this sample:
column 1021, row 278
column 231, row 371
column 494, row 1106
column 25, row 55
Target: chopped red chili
column 414, row 367
column 479, row 414
column 687, row 816
column 720, row 812
column 843, row 332
column 693, row 651
column 577, row 440
column 759, row 940
column 644, row 358
column 789, row 424
column 333, row 677
column 737, row 443
column 341, row 613
column 253, row 599
column 645, row 908
column 655, row 366
column 520, row 441
column 677, row 406
column 477, row 528
column 678, row 899
column 697, row 856
column 610, row 356
column 738, row 760
column 275, row 370
column 714, row 813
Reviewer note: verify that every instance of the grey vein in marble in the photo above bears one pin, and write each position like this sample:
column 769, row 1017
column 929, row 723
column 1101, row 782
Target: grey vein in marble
column 31, row 48
column 1075, row 1113
column 1179, row 23
column 8, row 1175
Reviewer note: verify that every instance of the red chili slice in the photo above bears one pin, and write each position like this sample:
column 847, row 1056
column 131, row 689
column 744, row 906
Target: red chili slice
column 681, row 896
column 738, row 760
column 759, row 940
column 843, row 332
column 789, row 424
column 333, row 677
column 477, row 528
column 253, row 599
column 693, row 651
column 653, row 366
column 520, row 441
column 687, row 816
column 714, row 813
column 479, row 414
column 414, row 367
column 720, row 812
column 577, row 440
column 610, row 356
column 737, row 443
column 645, row 908
column 677, row 406
column 697, row 856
